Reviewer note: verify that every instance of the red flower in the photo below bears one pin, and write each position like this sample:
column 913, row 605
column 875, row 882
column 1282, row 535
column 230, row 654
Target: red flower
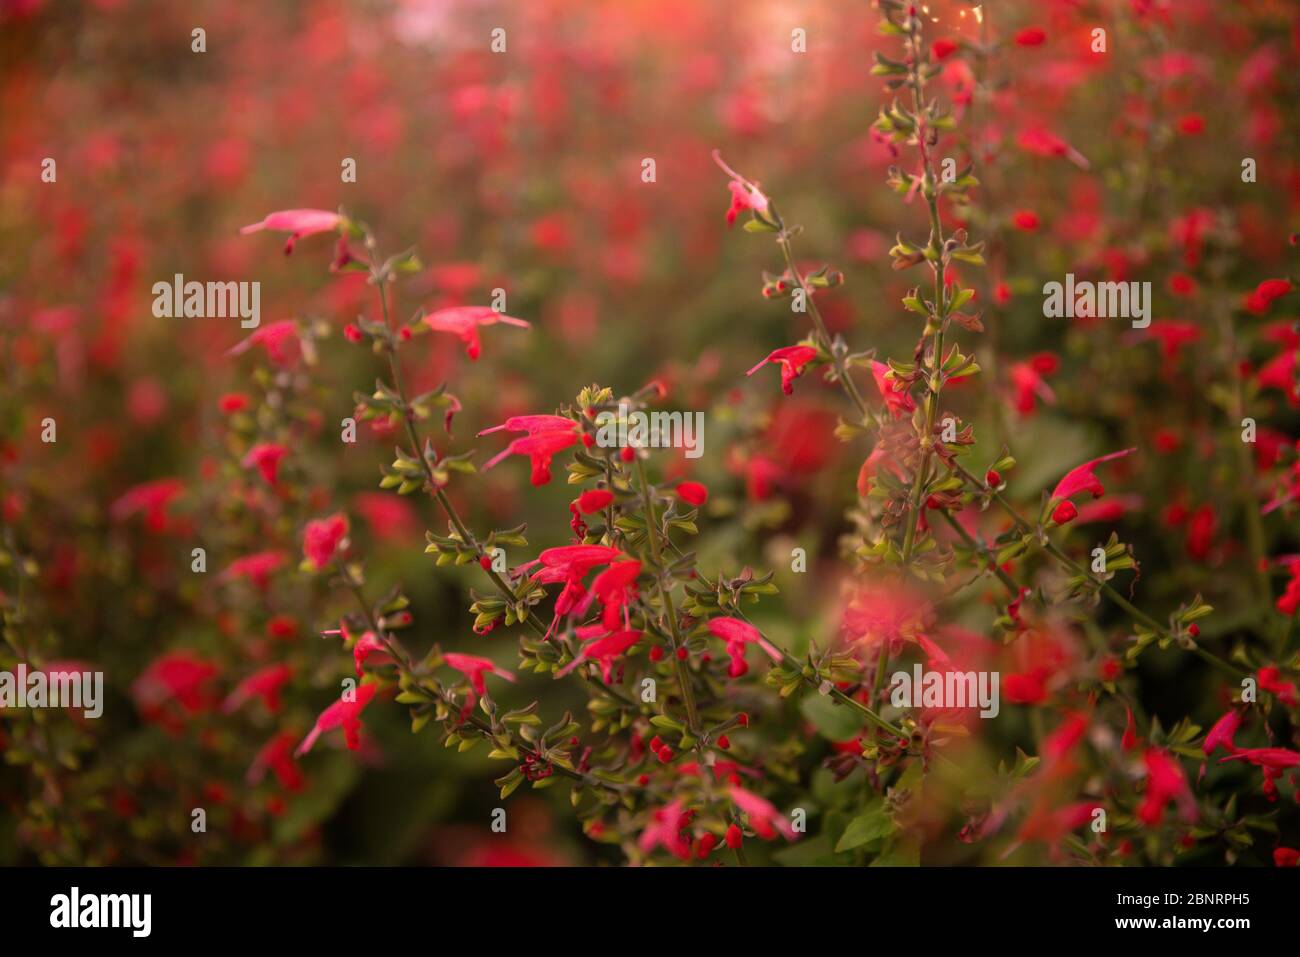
column 279, row 339
column 1165, row 783
column 298, row 223
column 540, row 448
column 1192, row 124
column 178, row 678
column 1259, row 301
column 592, row 500
column 464, row 321
column 257, row 568
column 1041, row 142
column 693, row 493
column 1277, row 759
column 266, row 457
column 614, row 588
column 1064, row 513
column 265, row 684
column 1286, row 857
column 532, row 424
column 1025, row 219
column 1031, row 37
column 897, row 399
column 665, row 830
column 233, row 402
column 152, row 498
column 344, row 713
column 1222, row 734
column 744, row 194
column 738, row 633
column 602, row 647
column 943, row 48
column 322, row 537
column 792, row 360
column 277, row 756
column 763, row 817
column 1081, row 478
column 474, row 668
column 1270, row 679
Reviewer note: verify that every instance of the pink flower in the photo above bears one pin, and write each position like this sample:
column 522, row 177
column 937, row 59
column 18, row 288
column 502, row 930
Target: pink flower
column 1081, row 479
column 897, row 399
column 344, row 713
column 321, row 539
column 265, row 684
column 764, row 818
column 266, row 457
column 366, row 646
column 152, row 498
column 257, row 568
column 464, row 321
column 532, row 424
column 738, row 633
column 298, row 223
column 540, row 448
column 791, row 359
column 744, row 194
column 279, row 339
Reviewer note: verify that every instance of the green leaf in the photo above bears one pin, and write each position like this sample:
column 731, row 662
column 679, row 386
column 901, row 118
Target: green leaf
column 865, row 828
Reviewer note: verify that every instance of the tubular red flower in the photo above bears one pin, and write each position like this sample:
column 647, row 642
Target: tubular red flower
column 1222, row 734
column 738, row 633
column 693, row 493
column 464, row 321
column 603, row 649
column 279, row 339
column 764, row 818
column 792, row 360
column 344, row 713
column 897, row 399
column 1082, row 479
column 266, row 457
column 265, row 684
column 540, row 448
column 298, row 223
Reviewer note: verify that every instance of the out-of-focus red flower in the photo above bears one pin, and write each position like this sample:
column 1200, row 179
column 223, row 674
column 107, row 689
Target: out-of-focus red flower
column 1165, row 782
column 738, row 633
column 1265, row 294
column 465, row 321
column 1223, row 733
column 321, row 539
column 693, row 493
column 1270, row 679
column 256, row 568
column 298, row 223
column 764, row 818
column 1025, row 219
column 264, row 683
column 344, row 713
column 265, row 456
column 1031, row 37
column 152, row 498
column 279, row 340
column 179, row 678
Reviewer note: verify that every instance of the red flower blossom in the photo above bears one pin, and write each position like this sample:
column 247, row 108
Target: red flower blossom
column 897, row 399
column 266, row 457
column 178, row 678
column 664, row 830
column 1259, row 301
column 152, row 498
column 738, row 633
column 693, row 493
column 322, row 537
column 1025, row 219
column 1082, row 479
column 464, row 321
column 744, row 194
column 1165, row 782
column 1031, row 37
column 344, row 713
column 474, row 668
column 265, row 684
column 540, row 448
column 1270, row 679
column 1286, row 857
column 257, row 568
column 1277, row 759
column 279, row 339
column 1222, row 734
column 943, row 48
column 298, row 223
column 764, row 818
column 602, row 647
column 792, row 360
column 277, row 756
